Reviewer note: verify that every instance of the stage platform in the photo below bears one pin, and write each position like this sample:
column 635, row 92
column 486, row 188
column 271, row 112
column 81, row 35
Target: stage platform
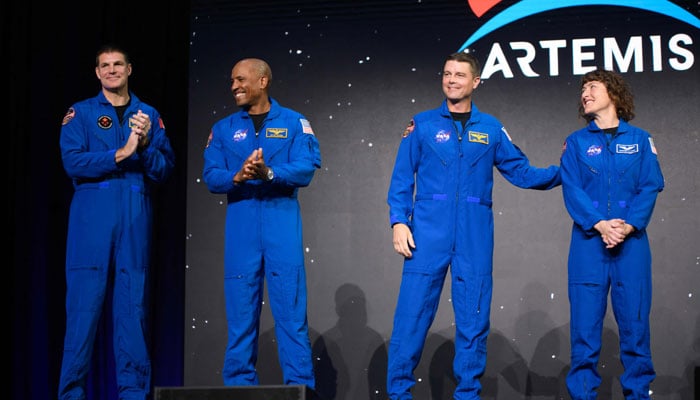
column 261, row 392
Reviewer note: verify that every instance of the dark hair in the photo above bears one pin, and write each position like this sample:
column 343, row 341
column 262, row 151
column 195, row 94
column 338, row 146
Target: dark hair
column 110, row 48
column 467, row 58
column 618, row 90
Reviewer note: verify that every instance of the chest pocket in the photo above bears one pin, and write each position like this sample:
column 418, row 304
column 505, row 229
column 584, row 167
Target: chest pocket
column 627, row 156
column 239, row 144
column 627, row 166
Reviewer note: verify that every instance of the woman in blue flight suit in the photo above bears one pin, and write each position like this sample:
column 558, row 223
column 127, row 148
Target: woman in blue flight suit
column 610, row 180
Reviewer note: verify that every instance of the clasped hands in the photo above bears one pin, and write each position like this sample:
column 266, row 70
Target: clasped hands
column 254, row 167
column 140, row 124
column 613, row 231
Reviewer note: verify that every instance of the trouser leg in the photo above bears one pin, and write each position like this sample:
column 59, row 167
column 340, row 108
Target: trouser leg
column 631, row 302
column 419, row 296
column 243, row 292
column 471, row 299
column 130, row 299
column 288, row 302
column 588, row 302
column 88, row 255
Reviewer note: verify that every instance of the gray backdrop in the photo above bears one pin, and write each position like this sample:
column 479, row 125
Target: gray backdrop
column 359, row 71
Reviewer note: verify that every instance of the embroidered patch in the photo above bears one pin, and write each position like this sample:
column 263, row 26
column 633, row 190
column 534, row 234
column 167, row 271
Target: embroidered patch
column 69, row 116
column 240, row 135
column 651, row 143
column 594, row 150
column 408, row 129
column 627, row 148
column 211, row 136
column 478, row 137
column 160, row 123
column 442, row 136
column 306, row 126
column 104, row 122
column 276, row 133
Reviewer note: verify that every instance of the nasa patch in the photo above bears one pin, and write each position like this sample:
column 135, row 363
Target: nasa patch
column 594, row 150
column 240, row 135
column 442, row 136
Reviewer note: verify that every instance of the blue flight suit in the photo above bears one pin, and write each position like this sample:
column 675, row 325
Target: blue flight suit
column 263, row 238
column 109, row 239
column 451, row 169
column 604, row 178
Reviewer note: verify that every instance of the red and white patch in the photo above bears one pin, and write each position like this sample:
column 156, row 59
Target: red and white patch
column 653, row 148
column 104, row 122
column 69, row 116
column 306, row 126
column 409, row 129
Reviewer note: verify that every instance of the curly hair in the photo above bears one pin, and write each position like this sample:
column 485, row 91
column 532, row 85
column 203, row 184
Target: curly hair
column 618, row 90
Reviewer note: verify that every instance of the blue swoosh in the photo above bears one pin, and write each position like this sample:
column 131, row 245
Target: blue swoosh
column 525, row 8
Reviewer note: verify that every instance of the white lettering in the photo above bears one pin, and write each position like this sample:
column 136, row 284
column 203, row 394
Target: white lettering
column 674, row 62
column 496, row 62
column 551, row 46
column 525, row 60
column 656, row 52
column 634, row 52
column 579, row 56
column 550, row 54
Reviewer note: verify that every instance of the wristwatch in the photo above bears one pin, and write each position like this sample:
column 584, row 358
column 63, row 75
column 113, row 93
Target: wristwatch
column 270, row 174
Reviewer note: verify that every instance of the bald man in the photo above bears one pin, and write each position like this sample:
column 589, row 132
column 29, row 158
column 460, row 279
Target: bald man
column 259, row 157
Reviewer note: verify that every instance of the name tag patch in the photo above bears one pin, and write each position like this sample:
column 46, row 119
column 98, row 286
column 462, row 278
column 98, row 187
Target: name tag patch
column 627, row 148
column 276, row 133
column 478, row 137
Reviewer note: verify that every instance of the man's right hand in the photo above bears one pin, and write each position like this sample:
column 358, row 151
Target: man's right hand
column 249, row 169
column 403, row 240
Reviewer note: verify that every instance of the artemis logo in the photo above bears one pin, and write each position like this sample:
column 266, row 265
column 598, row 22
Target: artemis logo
column 616, row 53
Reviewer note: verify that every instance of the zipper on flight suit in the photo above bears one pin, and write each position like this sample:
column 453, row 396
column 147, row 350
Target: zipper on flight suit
column 459, row 165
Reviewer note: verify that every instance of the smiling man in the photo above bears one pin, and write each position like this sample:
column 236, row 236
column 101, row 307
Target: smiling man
column 447, row 155
column 259, row 157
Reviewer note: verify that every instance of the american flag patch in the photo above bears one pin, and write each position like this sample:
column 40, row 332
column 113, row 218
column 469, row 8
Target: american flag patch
column 306, row 126
column 653, row 148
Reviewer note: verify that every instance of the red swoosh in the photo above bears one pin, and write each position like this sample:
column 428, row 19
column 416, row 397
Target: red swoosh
column 479, row 7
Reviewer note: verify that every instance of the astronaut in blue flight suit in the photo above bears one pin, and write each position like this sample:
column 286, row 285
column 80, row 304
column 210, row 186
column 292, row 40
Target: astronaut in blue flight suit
column 610, row 181
column 447, row 155
column 259, row 157
column 114, row 148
